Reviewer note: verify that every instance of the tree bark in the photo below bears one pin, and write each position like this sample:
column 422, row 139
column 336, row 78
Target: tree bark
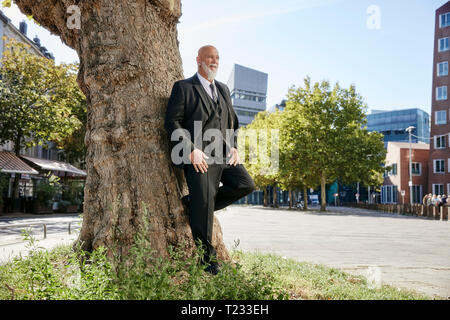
column 305, row 198
column 290, row 199
column 265, row 196
column 129, row 60
column 323, row 196
column 275, row 200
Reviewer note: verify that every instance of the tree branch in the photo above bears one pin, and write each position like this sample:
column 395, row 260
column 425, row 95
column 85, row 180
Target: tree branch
column 53, row 15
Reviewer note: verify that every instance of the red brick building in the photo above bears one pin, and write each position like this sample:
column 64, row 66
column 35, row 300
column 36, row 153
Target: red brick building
column 396, row 180
column 439, row 160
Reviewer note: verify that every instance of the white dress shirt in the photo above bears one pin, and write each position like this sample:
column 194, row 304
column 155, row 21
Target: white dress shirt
column 206, row 85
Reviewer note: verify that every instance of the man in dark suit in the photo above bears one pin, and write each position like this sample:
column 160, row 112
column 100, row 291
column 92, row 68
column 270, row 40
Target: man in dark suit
column 199, row 110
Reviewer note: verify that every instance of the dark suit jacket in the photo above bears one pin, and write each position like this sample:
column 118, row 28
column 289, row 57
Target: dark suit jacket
column 189, row 102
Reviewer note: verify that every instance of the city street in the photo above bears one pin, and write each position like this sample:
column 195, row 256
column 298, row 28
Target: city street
column 56, row 232
column 405, row 251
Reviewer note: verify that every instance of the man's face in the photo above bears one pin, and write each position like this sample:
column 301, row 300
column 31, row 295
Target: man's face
column 208, row 62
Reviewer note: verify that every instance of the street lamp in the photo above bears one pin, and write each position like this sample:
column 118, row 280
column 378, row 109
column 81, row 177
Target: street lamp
column 409, row 130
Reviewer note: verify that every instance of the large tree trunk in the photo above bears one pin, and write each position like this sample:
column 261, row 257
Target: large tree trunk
column 129, row 60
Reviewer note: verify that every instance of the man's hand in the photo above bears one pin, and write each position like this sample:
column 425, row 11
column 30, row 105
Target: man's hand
column 234, row 160
column 198, row 159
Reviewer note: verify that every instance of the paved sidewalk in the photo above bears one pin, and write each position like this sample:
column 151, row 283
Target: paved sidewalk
column 408, row 252
column 12, row 248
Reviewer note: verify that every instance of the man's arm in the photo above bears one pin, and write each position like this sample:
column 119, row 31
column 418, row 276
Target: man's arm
column 175, row 115
column 174, row 121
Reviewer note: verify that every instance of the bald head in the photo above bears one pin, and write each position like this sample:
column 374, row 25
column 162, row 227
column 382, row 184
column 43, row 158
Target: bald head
column 205, row 49
column 208, row 62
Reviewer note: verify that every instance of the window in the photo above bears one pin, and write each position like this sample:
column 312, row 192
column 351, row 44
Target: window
column 439, row 142
column 416, row 168
column 441, row 93
column 442, row 69
column 417, row 194
column 389, row 194
column 443, row 44
column 438, row 166
column 391, row 172
column 444, row 20
column 440, row 117
column 438, row 189
column 394, row 170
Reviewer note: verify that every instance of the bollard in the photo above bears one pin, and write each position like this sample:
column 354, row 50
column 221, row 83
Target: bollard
column 434, row 212
column 45, row 231
column 69, row 227
column 441, row 213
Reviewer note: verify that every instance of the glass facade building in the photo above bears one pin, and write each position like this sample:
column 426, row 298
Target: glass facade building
column 248, row 88
column 392, row 125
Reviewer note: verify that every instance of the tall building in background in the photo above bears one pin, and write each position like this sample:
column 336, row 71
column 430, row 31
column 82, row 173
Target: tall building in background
column 248, row 92
column 392, row 125
column 439, row 160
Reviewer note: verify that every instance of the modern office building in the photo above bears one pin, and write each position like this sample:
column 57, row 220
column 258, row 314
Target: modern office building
column 392, row 125
column 439, row 160
column 248, row 92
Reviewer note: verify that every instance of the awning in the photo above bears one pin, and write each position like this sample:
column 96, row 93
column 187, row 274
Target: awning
column 53, row 165
column 10, row 163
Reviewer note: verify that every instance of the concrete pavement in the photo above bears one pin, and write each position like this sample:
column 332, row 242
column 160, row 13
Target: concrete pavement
column 57, row 232
column 13, row 248
column 404, row 251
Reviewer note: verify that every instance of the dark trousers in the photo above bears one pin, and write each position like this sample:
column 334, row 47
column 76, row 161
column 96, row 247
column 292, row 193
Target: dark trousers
column 206, row 197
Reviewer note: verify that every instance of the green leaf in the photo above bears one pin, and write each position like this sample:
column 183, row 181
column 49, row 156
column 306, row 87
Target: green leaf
column 6, row 3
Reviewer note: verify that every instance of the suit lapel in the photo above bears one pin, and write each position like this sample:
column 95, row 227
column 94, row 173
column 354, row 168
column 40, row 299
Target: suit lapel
column 201, row 92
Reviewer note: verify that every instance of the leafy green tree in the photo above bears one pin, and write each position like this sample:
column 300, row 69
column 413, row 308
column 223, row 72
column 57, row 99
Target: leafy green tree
column 256, row 143
column 37, row 99
column 297, row 167
column 339, row 144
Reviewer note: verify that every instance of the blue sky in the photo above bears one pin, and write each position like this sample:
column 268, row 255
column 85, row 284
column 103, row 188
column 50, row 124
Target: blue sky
column 391, row 67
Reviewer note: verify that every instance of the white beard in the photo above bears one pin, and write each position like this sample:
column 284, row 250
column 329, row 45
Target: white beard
column 210, row 73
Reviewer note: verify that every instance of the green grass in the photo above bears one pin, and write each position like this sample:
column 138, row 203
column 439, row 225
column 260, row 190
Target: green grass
column 310, row 281
column 62, row 274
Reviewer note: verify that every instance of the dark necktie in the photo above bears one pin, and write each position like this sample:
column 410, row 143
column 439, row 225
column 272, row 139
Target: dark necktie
column 214, row 96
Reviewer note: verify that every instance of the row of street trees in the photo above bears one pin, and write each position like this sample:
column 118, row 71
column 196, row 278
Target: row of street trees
column 320, row 136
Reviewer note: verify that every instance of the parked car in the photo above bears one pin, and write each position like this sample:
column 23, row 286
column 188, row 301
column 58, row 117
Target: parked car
column 314, row 199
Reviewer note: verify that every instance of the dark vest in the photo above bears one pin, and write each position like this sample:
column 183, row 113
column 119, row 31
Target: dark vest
column 218, row 119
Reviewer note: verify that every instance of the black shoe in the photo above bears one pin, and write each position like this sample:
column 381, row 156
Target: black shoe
column 213, row 268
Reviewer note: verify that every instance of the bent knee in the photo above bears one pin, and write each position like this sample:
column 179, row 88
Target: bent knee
column 248, row 188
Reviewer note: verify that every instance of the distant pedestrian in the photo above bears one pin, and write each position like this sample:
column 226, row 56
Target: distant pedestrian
column 444, row 200
column 425, row 200
column 433, row 200
column 429, row 199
